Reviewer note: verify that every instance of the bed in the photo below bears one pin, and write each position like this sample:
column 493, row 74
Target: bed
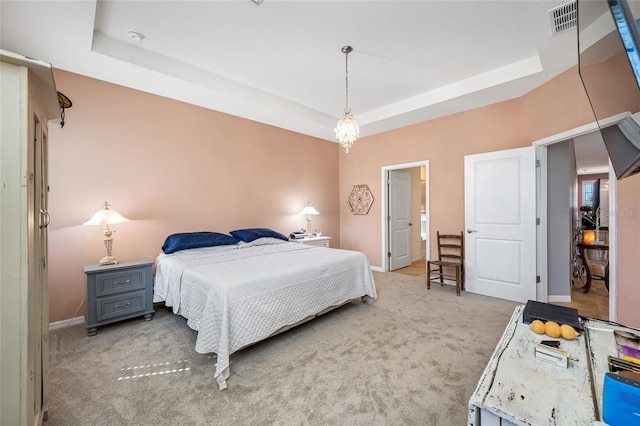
column 242, row 291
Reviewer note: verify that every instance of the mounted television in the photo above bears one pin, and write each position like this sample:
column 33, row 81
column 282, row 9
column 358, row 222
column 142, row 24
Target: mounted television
column 609, row 66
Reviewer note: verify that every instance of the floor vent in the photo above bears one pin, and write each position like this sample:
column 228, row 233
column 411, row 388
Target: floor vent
column 564, row 17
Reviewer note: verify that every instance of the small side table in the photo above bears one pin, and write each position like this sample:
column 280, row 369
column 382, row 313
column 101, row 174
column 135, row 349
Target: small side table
column 321, row 241
column 118, row 292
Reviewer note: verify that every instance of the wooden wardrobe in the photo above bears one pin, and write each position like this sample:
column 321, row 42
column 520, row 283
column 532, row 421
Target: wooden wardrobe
column 29, row 101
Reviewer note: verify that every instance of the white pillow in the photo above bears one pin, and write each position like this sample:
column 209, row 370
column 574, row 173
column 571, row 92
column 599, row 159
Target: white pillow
column 261, row 242
column 267, row 240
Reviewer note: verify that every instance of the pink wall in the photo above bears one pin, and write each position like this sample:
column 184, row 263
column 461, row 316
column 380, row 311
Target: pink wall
column 173, row 167
column 557, row 106
column 170, row 167
column 444, row 142
column 628, row 215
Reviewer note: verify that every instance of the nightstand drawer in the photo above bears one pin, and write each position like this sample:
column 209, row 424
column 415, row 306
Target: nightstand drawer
column 117, row 306
column 119, row 281
column 323, row 243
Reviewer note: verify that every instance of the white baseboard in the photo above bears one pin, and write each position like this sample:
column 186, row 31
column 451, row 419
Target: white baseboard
column 561, row 299
column 377, row 268
column 65, row 323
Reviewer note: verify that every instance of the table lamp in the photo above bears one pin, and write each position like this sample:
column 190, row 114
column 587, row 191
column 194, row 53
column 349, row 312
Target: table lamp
column 107, row 217
column 309, row 210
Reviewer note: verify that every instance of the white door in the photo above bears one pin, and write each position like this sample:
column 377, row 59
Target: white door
column 399, row 219
column 500, row 223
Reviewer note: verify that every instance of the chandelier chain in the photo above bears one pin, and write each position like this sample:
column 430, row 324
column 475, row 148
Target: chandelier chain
column 346, row 80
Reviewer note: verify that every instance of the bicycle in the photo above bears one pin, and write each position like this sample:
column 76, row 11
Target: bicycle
column 578, row 268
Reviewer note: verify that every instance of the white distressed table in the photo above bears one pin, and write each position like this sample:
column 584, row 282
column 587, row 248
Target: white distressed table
column 516, row 388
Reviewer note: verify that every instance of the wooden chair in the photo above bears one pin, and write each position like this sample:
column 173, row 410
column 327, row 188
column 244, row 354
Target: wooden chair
column 450, row 263
column 595, row 257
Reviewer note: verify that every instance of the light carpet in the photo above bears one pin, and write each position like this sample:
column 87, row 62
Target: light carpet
column 412, row 357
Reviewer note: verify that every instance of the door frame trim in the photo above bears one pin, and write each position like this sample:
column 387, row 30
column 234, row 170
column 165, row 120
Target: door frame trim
column 541, row 190
column 385, row 211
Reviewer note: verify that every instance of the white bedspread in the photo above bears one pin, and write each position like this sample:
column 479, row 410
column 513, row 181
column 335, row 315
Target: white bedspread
column 234, row 296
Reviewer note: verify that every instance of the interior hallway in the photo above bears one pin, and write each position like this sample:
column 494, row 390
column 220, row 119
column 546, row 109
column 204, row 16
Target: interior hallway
column 594, row 304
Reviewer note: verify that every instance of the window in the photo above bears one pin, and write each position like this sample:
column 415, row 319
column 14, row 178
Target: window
column 587, row 192
column 588, row 195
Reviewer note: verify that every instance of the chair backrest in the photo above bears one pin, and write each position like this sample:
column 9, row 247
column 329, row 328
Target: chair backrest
column 451, row 247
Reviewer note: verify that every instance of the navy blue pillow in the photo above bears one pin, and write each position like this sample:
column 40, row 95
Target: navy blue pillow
column 250, row 234
column 189, row 240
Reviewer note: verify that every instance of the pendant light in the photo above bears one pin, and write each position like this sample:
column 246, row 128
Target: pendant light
column 347, row 130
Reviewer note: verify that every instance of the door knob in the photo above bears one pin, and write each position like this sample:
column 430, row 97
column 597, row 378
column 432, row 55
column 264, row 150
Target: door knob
column 471, row 230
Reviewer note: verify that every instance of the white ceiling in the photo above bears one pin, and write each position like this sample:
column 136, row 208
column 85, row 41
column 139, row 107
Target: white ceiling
column 280, row 62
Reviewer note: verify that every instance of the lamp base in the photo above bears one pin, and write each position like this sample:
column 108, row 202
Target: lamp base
column 108, row 260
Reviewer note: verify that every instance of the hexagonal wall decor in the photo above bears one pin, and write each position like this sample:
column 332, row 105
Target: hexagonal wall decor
column 360, row 199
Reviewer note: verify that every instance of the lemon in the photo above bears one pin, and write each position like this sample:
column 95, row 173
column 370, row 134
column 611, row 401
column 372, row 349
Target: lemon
column 568, row 332
column 552, row 329
column 537, row 326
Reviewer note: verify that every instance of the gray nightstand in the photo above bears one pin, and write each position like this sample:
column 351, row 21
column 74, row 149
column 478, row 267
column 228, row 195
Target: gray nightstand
column 118, row 292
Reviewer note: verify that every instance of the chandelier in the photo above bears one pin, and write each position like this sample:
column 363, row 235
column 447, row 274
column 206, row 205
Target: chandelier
column 347, row 130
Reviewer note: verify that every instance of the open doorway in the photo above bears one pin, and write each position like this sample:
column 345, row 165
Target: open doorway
column 588, row 222
column 419, row 217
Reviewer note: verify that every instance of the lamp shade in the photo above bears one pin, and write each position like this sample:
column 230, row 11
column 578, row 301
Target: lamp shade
column 106, row 216
column 309, row 209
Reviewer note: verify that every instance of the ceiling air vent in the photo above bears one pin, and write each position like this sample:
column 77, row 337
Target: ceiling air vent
column 564, row 17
